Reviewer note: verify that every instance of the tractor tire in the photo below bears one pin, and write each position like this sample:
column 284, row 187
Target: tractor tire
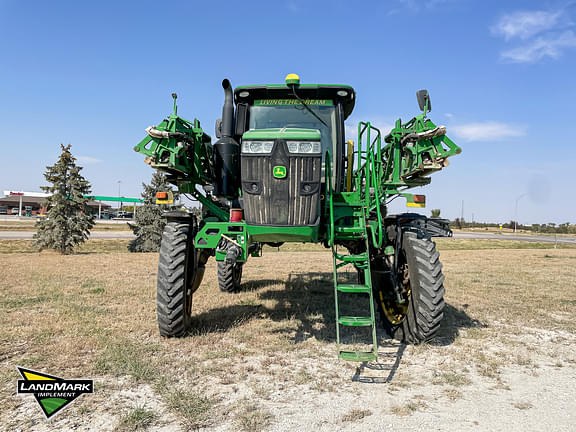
column 176, row 277
column 421, row 276
column 229, row 276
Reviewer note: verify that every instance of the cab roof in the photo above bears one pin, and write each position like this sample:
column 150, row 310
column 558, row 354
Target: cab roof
column 250, row 93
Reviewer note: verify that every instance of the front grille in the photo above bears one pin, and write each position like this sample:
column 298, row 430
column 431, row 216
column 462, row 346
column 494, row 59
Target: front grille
column 290, row 201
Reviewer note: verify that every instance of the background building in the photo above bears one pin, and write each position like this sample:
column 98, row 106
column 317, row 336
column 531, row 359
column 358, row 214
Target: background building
column 33, row 204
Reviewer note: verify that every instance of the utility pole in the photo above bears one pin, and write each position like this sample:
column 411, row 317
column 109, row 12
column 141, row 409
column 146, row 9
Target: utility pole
column 516, row 211
column 119, row 183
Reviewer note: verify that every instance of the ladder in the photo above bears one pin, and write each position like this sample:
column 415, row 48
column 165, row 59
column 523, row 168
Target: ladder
column 349, row 223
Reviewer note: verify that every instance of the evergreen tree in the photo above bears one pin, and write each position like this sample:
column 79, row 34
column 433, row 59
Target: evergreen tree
column 149, row 222
column 68, row 219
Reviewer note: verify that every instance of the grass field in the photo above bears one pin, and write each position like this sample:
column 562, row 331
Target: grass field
column 265, row 358
column 30, row 226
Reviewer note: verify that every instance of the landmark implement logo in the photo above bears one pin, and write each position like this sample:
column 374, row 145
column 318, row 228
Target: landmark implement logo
column 51, row 392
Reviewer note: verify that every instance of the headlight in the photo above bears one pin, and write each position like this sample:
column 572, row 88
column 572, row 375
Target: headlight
column 303, row 146
column 257, row 146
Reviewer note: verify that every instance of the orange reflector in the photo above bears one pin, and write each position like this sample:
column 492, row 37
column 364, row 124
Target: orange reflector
column 419, row 198
column 235, row 215
column 161, row 195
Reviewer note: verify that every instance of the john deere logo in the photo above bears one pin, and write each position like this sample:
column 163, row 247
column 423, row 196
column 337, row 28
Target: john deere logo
column 51, row 392
column 279, row 171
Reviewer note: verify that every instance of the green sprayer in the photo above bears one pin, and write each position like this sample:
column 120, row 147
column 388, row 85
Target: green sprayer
column 282, row 171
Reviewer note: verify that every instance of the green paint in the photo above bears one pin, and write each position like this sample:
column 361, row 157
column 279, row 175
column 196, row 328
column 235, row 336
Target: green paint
column 307, row 234
column 115, row 199
column 279, row 172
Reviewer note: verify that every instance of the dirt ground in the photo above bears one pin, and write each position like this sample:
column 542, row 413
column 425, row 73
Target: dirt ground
column 265, row 359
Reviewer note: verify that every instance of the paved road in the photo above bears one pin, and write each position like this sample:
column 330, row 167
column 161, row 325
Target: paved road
column 517, row 237
column 22, row 235
column 19, row 235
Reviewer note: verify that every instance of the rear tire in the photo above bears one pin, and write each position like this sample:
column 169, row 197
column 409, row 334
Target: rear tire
column 420, row 272
column 229, row 276
column 176, row 274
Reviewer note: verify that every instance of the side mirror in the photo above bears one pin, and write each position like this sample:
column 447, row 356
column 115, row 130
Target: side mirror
column 424, row 101
column 241, row 119
column 218, row 128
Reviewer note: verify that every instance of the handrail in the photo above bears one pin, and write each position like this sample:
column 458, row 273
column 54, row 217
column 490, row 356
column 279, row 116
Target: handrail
column 329, row 199
column 371, row 173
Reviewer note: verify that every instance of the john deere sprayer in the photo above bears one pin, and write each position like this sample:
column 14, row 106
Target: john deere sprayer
column 282, row 171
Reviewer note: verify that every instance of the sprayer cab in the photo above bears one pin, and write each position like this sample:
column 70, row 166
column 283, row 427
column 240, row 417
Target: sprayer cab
column 285, row 133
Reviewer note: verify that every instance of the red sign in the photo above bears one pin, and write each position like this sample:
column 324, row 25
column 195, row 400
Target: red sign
column 17, row 193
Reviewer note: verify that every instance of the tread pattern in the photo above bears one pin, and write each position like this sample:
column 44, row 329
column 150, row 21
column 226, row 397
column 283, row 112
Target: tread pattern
column 427, row 281
column 426, row 308
column 171, row 301
column 226, row 280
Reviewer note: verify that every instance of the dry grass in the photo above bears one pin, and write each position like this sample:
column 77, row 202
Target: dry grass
column 481, row 244
column 136, row 419
column 93, row 315
column 522, row 405
column 30, row 226
column 93, row 246
column 193, row 408
column 355, row 415
column 252, row 418
column 450, row 378
column 408, row 408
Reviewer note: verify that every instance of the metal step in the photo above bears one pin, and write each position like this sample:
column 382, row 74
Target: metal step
column 353, row 321
column 352, row 258
column 358, row 265
column 357, row 355
column 353, row 288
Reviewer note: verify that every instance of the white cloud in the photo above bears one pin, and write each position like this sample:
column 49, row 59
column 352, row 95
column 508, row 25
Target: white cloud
column 486, row 131
column 88, row 159
column 541, row 47
column 525, row 24
column 545, row 34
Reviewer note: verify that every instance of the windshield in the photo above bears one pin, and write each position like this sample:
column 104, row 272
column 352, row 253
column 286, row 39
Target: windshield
column 296, row 116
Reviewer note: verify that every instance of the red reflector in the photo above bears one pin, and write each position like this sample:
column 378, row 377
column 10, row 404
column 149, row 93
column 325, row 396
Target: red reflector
column 419, row 198
column 235, row 215
column 162, row 195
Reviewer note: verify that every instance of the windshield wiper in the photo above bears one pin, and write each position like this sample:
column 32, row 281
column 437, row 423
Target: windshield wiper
column 307, row 107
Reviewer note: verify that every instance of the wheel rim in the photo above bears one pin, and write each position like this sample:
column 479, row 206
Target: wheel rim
column 396, row 312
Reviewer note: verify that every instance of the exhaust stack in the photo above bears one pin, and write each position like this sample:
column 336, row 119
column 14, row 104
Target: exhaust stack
column 227, row 151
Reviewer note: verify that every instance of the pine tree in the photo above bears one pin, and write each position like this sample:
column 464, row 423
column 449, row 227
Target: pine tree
column 68, row 219
column 149, row 222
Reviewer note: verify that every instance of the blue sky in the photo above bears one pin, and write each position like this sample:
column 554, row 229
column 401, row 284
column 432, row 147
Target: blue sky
column 500, row 74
